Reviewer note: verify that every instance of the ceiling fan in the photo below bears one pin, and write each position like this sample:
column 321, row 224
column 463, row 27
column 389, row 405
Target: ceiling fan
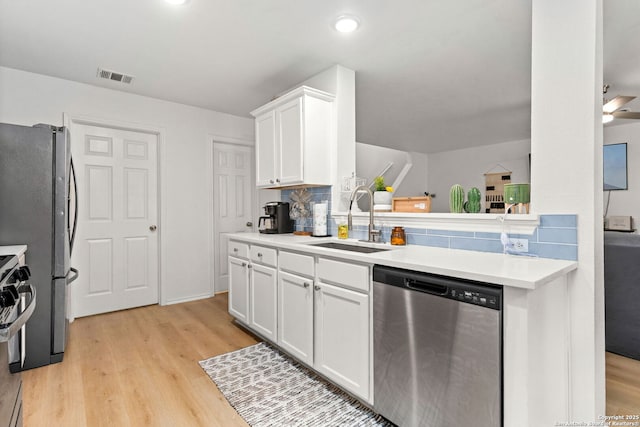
column 611, row 107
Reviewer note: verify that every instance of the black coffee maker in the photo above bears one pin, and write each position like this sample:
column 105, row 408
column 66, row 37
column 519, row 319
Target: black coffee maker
column 277, row 220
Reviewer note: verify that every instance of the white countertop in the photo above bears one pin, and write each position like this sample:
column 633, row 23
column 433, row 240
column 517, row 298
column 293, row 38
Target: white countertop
column 507, row 270
column 13, row 250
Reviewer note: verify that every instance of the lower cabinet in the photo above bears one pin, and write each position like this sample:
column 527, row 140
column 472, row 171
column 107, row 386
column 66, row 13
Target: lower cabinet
column 239, row 289
column 263, row 300
column 342, row 337
column 295, row 315
column 314, row 308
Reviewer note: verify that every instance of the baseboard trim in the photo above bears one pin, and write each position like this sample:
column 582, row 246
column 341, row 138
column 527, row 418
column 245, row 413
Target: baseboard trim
column 188, row 299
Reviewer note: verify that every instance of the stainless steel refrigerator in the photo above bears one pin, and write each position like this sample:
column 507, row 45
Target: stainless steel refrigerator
column 38, row 202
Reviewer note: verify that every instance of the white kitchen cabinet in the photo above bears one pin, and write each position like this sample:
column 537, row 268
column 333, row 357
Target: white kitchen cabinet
column 346, row 274
column 295, row 315
column 253, row 287
column 263, row 255
column 342, row 337
column 263, row 301
column 238, row 249
column 239, row 289
column 294, row 136
column 266, row 150
column 314, row 308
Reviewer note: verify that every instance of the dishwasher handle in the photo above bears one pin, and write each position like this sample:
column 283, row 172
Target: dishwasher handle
column 430, row 288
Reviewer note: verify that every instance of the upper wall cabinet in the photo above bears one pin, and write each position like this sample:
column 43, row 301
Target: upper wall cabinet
column 293, row 139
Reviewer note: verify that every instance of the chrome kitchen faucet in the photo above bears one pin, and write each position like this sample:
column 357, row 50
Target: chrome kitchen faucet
column 374, row 235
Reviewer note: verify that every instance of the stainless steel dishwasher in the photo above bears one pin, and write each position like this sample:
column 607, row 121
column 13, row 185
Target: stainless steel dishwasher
column 437, row 349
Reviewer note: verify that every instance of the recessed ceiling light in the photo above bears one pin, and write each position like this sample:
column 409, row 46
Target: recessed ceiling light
column 346, row 23
column 176, row 2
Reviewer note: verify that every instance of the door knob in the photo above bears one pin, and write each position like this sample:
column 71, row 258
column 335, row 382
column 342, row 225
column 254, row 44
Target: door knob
column 153, row 228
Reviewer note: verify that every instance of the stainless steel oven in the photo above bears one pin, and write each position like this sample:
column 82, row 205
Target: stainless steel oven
column 17, row 303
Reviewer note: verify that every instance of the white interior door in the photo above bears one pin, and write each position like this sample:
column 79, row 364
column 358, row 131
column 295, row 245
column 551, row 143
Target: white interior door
column 116, row 247
column 233, row 202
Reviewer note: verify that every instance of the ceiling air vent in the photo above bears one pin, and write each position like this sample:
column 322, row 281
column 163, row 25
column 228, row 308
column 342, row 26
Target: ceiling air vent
column 115, row 76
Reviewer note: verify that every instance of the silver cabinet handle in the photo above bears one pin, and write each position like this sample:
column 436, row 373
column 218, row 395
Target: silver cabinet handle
column 249, row 266
column 277, row 179
column 244, row 264
column 316, row 287
column 153, row 228
column 259, row 255
column 235, row 249
column 305, row 284
column 249, row 224
column 271, row 181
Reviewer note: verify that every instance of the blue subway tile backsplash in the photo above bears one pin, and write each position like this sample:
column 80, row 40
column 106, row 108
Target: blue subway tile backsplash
column 562, row 221
column 451, row 233
column 318, row 194
column 556, row 237
column 558, row 240
column 482, row 245
column 485, row 235
column 416, row 239
column 555, row 251
column 438, row 241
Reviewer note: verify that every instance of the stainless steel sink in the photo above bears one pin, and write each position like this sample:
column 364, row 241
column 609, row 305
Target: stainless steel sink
column 352, row 248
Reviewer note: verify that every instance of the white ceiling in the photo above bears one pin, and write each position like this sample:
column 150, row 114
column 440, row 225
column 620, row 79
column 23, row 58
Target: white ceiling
column 431, row 75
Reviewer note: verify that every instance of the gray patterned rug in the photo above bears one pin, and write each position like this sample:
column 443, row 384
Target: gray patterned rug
column 268, row 388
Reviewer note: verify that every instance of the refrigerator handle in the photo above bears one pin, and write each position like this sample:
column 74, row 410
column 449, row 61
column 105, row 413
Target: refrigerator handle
column 72, row 238
column 75, row 276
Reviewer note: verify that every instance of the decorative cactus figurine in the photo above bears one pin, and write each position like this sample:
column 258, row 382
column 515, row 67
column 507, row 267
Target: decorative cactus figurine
column 472, row 205
column 456, row 198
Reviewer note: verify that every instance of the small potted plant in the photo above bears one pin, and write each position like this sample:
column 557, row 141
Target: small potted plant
column 382, row 195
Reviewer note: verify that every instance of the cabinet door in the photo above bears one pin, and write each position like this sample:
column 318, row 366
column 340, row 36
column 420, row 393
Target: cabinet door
column 266, row 150
column 264, row 293
column 342, row 337
column 238, row 289
column 295, row 316
column 291, row 130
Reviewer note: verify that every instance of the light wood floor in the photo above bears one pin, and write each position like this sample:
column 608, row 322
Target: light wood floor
column 623, row 385
column 140, row 368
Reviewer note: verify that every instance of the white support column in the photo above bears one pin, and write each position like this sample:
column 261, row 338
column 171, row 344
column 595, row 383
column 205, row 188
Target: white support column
column 566, row 175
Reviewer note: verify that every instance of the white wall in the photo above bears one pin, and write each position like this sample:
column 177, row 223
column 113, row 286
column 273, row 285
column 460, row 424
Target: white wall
column 626, row 202
column 27, row 98
column 372, row 159
column 468, row 166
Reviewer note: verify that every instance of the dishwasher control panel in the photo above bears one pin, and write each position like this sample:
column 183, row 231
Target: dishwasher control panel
column 468, row 291
column 478, row 298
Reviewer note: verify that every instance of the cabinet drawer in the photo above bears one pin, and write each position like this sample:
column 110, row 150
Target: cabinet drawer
column 296, row 263
column 238, row 249
column 354, row 276
column 263, row 255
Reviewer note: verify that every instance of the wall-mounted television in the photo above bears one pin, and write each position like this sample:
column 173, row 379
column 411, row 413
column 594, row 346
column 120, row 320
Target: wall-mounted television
column 614, row 158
